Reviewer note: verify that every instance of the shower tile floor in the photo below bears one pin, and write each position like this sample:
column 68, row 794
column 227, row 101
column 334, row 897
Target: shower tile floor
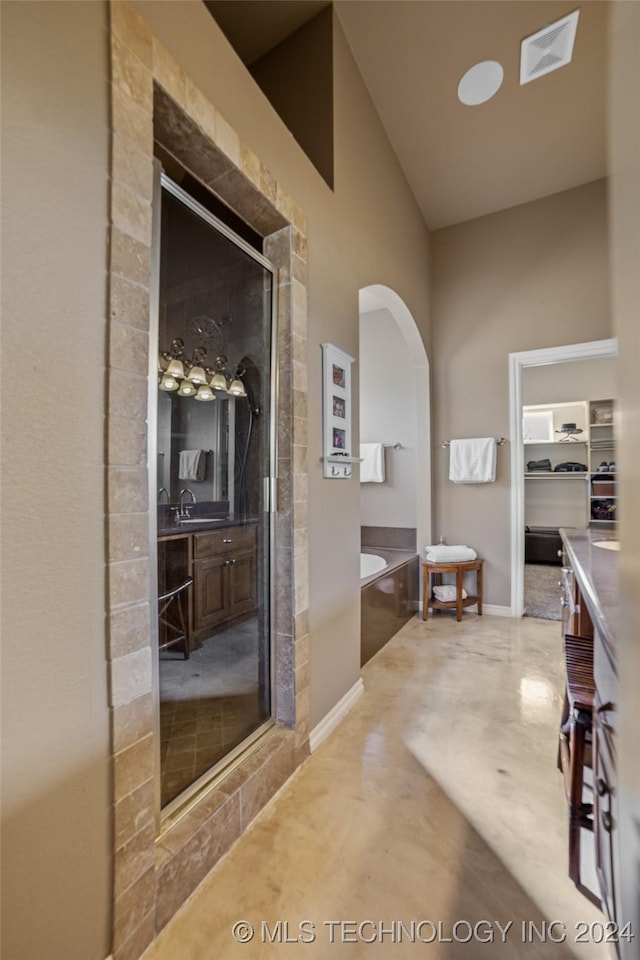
column 208, row 704
column 437, row 799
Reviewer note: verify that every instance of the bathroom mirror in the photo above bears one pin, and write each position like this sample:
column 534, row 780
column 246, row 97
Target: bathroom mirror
column 208, row 428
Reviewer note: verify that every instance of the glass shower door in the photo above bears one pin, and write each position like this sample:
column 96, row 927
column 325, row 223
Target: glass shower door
column 214, row 447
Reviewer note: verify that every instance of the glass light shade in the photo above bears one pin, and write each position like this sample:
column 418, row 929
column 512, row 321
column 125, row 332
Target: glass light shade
column 205, row 393
column 168, row 383
column 187, row 389
column 237, row 389
column 197, row 375
column 219, row 382
column 175, row 369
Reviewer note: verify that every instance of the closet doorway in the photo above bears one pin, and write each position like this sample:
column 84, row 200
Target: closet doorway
column 554, row 470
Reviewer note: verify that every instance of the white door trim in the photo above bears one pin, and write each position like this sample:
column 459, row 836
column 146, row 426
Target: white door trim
column 517, row 363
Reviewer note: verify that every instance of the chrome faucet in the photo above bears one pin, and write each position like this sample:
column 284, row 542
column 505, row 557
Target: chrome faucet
column 160, row 492
column 183, row 511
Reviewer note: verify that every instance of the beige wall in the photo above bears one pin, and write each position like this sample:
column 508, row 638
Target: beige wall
column 57, row 792
column 625, row 237
column 388, row 398
column 579, row 380
column 528, row 277
column 55, row 728
column 367, row 230
column 297, row 77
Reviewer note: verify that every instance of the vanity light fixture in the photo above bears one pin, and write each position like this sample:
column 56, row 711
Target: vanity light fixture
column 219, row 380
column 187, row 389
column 168, row 383
column 196, row 373
column 191, row 379
column 204, row 393
column 236, row 388
column 175, row 369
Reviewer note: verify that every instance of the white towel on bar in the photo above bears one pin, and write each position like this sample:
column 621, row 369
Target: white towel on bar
column 472, row 460
column 447, row 592
column 193, row 465
column 372, row 466
column 449, row 553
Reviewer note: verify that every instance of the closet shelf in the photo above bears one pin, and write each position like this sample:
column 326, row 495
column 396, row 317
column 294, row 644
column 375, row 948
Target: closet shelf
column 553, row 443
column 553, row 475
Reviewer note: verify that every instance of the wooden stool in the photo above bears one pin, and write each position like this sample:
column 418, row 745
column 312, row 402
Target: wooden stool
column 437, row 569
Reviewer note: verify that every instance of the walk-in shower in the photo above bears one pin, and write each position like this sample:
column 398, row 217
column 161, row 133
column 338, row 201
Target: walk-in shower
column 212, row 451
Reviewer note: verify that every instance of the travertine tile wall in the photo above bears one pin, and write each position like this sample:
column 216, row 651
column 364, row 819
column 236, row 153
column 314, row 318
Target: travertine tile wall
column 153, row 875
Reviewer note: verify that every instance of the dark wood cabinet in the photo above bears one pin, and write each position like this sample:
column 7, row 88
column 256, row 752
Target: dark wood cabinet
column 590, row 710
column 605, row 781
column 605, row 820
column 225, row 576
column 576, row 621
column 210, row 606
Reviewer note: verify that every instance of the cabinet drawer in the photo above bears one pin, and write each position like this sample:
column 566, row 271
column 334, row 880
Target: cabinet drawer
column 224, row 541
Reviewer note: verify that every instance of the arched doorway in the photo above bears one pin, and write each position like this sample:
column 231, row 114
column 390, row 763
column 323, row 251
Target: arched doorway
column 401, row 407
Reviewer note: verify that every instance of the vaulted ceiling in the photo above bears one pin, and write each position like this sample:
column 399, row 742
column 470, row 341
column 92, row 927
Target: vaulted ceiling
column 463, row 162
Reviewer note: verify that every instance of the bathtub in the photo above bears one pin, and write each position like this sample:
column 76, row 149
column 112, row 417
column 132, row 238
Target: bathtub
column 371, row 563
column 389, row 596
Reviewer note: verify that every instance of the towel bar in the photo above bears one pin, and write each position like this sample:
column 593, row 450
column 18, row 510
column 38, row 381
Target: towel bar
column 500, row 441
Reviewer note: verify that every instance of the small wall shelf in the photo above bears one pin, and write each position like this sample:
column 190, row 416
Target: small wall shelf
column 337, row 414
column 338, row 459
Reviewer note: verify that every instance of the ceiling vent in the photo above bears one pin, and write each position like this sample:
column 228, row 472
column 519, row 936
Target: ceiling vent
column 549, row 48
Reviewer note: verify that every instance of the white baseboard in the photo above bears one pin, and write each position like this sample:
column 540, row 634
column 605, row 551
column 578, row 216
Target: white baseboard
column 494, row 610
column 337, row 713
column 491, row 609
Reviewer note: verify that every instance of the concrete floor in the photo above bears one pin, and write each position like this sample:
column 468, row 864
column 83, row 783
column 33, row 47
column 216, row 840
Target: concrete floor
column 436, row 802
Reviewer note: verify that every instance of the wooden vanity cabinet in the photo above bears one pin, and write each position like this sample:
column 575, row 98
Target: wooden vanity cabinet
column 576, row 621
column 605, row 792
column 224, row 575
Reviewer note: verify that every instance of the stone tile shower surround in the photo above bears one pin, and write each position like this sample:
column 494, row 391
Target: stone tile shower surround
column 154, row 875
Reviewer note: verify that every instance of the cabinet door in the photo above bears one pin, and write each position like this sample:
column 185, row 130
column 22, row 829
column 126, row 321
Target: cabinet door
column 210, row 588
column 605, row 820
column 243, row 583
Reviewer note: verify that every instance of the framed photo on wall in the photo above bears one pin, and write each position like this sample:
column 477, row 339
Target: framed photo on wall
column 337, row 413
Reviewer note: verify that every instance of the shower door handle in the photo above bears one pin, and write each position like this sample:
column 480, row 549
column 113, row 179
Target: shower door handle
column 271, row 494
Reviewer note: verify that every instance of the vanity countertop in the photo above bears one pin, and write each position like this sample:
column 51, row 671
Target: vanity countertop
column 168, row 527
column 596, row 571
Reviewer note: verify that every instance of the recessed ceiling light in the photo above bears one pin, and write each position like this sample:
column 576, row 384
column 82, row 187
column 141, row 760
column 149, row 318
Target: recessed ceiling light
column 480, row 83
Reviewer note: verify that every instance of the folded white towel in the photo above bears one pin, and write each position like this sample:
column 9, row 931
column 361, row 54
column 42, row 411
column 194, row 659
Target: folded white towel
column 193, row 465
column 450, row 553
column 372, row 466
column 447, row 592
column 472, row 460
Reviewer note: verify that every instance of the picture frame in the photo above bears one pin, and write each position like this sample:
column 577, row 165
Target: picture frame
column 337, row 446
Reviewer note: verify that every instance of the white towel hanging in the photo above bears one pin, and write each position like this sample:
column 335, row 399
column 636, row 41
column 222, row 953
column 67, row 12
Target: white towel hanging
column 473, row 460
column 372, row 466
column 193, row 465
